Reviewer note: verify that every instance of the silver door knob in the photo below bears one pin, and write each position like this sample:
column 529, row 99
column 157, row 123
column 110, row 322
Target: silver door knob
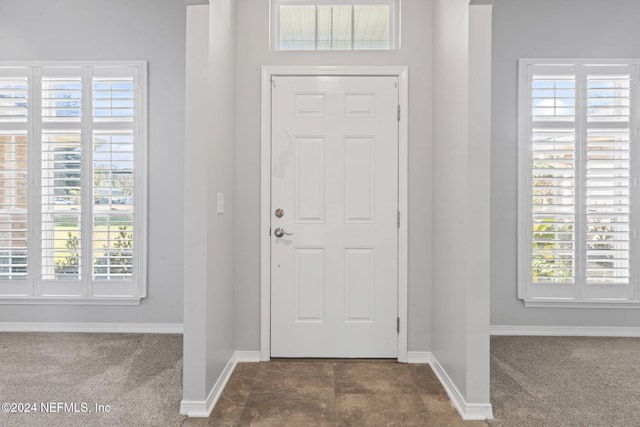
column 279, row 232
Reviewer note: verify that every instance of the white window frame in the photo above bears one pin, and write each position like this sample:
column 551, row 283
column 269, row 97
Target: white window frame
column 578, row 294
column 394, row 23
column 87, row 290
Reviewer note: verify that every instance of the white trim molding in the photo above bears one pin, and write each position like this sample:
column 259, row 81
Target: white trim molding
column 56, row 300
column 202, row 409
column 549, row 303
column 420, row 357
column 566, row 331
column 125, row 328
column 402, row 73
column 247, row 356
column 468, row 411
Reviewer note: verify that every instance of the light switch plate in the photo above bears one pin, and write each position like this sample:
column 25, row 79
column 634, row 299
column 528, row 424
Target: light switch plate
column 220, row 203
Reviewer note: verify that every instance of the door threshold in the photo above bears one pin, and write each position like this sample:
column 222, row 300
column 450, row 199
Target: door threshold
column 333, row 359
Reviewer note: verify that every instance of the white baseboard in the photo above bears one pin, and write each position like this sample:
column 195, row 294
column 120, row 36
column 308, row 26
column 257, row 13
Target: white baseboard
column 424, row 357
column 143, row 328
column 468, row 411
column 195, row 408
column 566, row 331
column 247, row 356
column 203, row 408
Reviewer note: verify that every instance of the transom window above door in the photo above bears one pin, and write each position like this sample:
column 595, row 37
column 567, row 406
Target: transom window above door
column 334, row 24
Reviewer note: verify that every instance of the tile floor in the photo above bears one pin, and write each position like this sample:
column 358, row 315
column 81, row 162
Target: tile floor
column 305, row 393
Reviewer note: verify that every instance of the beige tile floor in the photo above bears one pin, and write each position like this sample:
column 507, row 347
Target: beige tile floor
column 305, row 393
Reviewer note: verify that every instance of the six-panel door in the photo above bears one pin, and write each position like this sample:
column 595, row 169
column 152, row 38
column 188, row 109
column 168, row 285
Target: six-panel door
column 334, row 203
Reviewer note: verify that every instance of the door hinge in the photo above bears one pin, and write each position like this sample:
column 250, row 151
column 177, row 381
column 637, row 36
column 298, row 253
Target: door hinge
column 398, row 112
column 398, row 219
column 398, row 324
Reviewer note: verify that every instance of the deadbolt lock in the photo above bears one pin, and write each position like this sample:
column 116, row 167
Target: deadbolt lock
column 279, row 213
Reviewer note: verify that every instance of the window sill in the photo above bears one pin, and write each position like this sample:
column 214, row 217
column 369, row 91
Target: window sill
column 558, row 303
column 66, row 300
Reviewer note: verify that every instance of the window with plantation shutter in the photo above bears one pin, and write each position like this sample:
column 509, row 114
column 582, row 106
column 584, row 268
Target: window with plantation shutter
column 577, row 183
column 73, row 182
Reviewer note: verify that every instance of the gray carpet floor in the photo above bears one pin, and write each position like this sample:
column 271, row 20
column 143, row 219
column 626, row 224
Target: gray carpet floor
column 565, row 381
column 137, row 378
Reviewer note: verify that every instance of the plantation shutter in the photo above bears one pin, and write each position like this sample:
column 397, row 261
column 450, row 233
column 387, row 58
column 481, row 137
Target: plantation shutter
column 578, row 127
column 114, row 192
column 73, row 182
column 608, row 173
column 14, row 193
column 59, row 141
column 552, row 184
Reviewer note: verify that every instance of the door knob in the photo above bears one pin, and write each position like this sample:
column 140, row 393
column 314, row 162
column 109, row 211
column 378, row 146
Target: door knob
column 279, row 232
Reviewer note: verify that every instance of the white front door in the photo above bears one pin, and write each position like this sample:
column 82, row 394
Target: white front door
column 334, row 193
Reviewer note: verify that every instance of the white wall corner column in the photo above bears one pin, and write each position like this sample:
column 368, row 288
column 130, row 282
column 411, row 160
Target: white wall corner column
column 461, row 189
column 195, row 209
column 479, row 207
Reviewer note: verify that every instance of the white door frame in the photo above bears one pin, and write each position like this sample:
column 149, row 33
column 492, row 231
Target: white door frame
column 265, row 189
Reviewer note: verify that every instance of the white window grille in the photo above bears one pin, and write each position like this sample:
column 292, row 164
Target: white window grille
column 73, row 182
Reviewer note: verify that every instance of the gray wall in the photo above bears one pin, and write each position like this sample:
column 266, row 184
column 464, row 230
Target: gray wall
column 196, row 148
column 252, row 53
column 152, row 30
column 543, row 29
column 209, row 277
column 221, row 179
column 449, row 192
column 461, row 141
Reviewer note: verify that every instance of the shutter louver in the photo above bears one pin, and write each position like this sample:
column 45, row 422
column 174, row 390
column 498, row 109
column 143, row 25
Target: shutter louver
column 113, row 99
column 13, row 99
column 113, row 178
column 608, row 177
column 61, row 99
column 13, row 177
column 61, row 175
column 553, row 180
